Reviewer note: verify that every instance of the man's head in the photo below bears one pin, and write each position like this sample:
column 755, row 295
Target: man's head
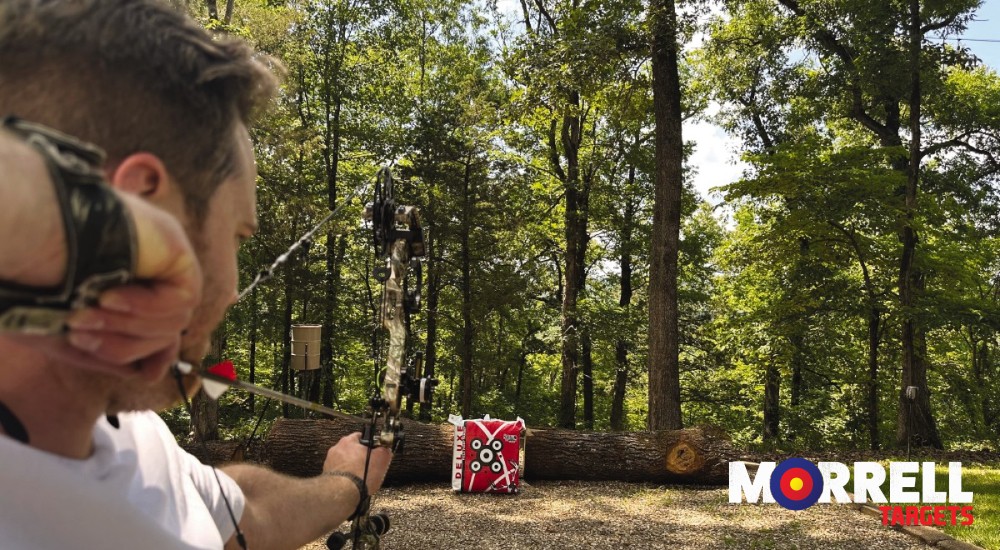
column 229, row 219
column 169, row 103
column 132, row 76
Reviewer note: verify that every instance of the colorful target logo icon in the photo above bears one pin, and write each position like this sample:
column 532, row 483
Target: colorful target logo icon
column 796, row 484
column 487, row 456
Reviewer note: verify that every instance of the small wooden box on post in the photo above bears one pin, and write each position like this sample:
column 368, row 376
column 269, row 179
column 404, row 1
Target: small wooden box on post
column 305, row 346
column 305, row 359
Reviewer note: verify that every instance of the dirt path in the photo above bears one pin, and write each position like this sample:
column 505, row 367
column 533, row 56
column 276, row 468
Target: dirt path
column 571, row 515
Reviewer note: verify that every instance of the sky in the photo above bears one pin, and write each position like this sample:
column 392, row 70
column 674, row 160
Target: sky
column 715, row 155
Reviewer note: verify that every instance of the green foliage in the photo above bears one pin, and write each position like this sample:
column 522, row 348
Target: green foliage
column 784, row 278
column 818, row 92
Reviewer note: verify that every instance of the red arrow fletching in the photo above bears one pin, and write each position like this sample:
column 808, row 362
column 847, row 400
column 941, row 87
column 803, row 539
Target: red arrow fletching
column 224, row 369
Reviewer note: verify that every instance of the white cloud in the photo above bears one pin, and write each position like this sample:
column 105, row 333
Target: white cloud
column 715, row 158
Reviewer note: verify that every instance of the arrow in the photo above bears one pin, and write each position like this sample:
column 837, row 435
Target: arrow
column 212, row 378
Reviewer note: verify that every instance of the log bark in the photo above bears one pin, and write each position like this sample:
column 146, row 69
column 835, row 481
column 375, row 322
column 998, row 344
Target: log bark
column 298, row 447
column 694, row 456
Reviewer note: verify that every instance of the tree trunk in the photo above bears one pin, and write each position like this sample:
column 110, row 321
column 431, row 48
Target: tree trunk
column 335, row 248
column 977, row 373
column 664, row 374
column 915, row 421
column 205, row 410
column 586, row 345
column 254, row 328
column 696, row 455
column 229, row 12
column 467, row 328
column 587, row 362
column 874, row 322
column 286, row 343
column 874, row 337
column 213, row 9
column 620, row 386
column 987, row 370
column 798, row 358
column 570, row 137
column 521, row 365
column 433, row 295
column 772, row 403
column 624, row 301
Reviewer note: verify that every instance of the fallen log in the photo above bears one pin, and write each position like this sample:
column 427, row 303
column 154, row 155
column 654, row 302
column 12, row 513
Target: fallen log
column 694, row 456
column 216, row 453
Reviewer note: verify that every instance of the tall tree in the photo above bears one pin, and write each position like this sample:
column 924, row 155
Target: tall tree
column 870, row 82
column 664, row 370
column 622, row 345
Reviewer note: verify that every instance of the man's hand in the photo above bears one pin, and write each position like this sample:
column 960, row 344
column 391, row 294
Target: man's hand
column 136, row 328
column 348, row 455
column 288, row 512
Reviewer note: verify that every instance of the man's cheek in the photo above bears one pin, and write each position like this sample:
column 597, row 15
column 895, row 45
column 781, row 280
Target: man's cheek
column 194, row 349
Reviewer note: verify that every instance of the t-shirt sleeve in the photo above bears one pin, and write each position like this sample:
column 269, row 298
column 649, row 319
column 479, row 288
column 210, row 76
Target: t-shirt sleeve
column 204, row 480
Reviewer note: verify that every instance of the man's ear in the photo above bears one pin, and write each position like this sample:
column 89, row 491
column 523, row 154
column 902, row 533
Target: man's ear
column 143, row 174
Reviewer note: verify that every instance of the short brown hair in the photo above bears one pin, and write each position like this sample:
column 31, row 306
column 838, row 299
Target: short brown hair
column 131, row 76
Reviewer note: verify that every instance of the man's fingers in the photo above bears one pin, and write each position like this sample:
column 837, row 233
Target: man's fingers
column 103, row 320
column 119, row 349
column 149, row 300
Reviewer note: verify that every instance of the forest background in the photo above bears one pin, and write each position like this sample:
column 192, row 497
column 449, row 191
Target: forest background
column 525, row 132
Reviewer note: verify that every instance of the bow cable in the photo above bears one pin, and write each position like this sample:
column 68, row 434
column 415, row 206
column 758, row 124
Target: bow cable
column 266, row 274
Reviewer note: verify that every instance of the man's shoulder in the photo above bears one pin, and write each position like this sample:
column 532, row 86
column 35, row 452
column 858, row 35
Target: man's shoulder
column 143, row 431
column 139, row 420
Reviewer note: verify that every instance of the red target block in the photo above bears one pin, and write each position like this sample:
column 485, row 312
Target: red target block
column 488, row 455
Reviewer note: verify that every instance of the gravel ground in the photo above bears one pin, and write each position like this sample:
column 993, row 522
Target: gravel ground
column 616, row 515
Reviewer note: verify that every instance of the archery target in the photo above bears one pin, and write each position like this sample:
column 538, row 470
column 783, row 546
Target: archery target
column 487, row 455
column 796, row 483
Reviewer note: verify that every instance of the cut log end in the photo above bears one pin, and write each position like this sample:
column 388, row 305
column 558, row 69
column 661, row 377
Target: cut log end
column 684, row 459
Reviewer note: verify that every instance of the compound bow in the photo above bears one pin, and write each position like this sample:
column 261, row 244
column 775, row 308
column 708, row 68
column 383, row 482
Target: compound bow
column 397, row 238
column 398, row 241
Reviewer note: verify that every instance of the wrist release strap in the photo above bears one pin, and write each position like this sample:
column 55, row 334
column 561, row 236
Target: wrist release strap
column 364, row 502
column 100, row 235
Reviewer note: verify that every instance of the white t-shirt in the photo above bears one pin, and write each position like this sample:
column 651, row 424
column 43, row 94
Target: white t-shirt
column 138, row 490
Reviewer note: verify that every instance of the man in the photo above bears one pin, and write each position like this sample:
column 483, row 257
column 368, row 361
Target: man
column 170, row 106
